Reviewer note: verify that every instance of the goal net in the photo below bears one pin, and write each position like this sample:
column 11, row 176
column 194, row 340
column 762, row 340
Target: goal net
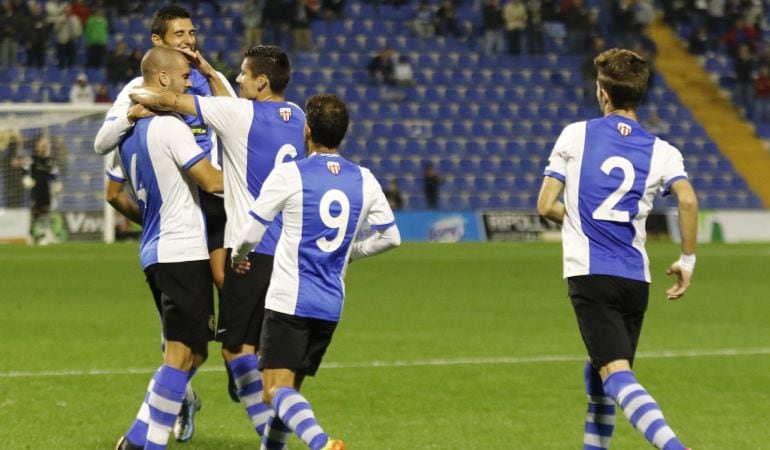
column 51, row 181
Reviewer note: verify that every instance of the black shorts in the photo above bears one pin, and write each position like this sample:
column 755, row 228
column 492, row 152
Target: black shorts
column 295, row 343
column 242, row 302
column 184, row 297
column 213, row 208
column 610, row 311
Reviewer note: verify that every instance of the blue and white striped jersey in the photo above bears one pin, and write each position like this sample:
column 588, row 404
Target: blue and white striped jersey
column 154, row 158
column 256, row 137
column 612, row 169
column 205, row 137
column 324, row 200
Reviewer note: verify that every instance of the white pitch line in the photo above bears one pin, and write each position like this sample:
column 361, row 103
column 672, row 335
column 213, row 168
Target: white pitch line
column 416, row 363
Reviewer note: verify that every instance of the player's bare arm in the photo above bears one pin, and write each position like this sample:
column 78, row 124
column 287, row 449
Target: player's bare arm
column 218, row 88
column 688, row 228
column 122, row 202
column 159, row 99
column 207, row 177
column 548, row 203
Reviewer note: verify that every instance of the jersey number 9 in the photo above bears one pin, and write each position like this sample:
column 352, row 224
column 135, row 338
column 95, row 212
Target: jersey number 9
column 337, row 222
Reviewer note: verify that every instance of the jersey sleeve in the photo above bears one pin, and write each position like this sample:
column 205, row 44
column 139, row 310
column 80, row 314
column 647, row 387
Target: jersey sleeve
column 673, row 167
column 279, row 185
column 179, row 141
column 222, row 113
column 115, row 170
column 380, row 216
column 557, row 161
column 116, row 123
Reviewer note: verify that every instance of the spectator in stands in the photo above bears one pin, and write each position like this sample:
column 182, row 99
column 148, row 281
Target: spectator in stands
column 588, row 70
column 252, row 22
column 494, row 24
column 535, row 29
column 762, row 94
column 82, row 92
column 393, row 194
column 700, row 41
column 446, row 20
column 13, row 168
column 422, row 24
column 623, row 23
column 644, row 14
column 67, row 30
column 743, row 65
column 431, row 183
column 403, row 72
column 382, row 66
column 10, row 22
column 739, row 34
column 53, row 9
column 300, row 27
column 577, row 22
column 276, row 18
column 333, row 9
column 120, row 66
column 81, row 9
column 96, row 36
column 515, row 15
column 35, row 36
column 102, row 95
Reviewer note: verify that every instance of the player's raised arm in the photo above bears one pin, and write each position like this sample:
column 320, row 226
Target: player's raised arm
column 220, row 87
column 119, row 119
column 688, row 228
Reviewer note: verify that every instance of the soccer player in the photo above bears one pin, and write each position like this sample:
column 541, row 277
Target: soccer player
column 259, row 131
column 172, row 27
column 610, row 169
column 161, row 160
column 324, row 200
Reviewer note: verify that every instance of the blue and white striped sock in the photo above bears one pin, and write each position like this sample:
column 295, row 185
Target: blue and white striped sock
column 600, row 417
column 165, row 401
column 296, row 413
column 275, row 436
column 641, row 409
column 137, row 434
column 248, row 380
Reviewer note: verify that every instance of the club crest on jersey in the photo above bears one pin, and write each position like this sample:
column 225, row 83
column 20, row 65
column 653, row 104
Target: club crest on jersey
column 285, row 114
column 333, row 166
column 624, row 129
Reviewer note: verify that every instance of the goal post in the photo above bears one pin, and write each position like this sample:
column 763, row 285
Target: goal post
column 65, row 133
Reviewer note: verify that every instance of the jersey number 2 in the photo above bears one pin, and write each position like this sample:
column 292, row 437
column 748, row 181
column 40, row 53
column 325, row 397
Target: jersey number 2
column 607, row 211
column 338, row 222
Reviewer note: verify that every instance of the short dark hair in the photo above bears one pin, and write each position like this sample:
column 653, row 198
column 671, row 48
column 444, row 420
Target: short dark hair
column 327, row 118
column 271, row 61
column 623, row 74
column 163, row 16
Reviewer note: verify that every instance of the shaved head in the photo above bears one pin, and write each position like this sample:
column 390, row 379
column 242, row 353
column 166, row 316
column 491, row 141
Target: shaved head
column 161, row 59
column 162, row 66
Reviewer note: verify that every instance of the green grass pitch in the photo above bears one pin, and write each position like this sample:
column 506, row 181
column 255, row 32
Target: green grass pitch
column 467, row 346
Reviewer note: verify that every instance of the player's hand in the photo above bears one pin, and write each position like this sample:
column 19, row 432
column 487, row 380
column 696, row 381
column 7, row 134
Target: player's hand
column 241, row 267
column 199, row 62
column 683, row 278
column 138, row 111
column 147, row 96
